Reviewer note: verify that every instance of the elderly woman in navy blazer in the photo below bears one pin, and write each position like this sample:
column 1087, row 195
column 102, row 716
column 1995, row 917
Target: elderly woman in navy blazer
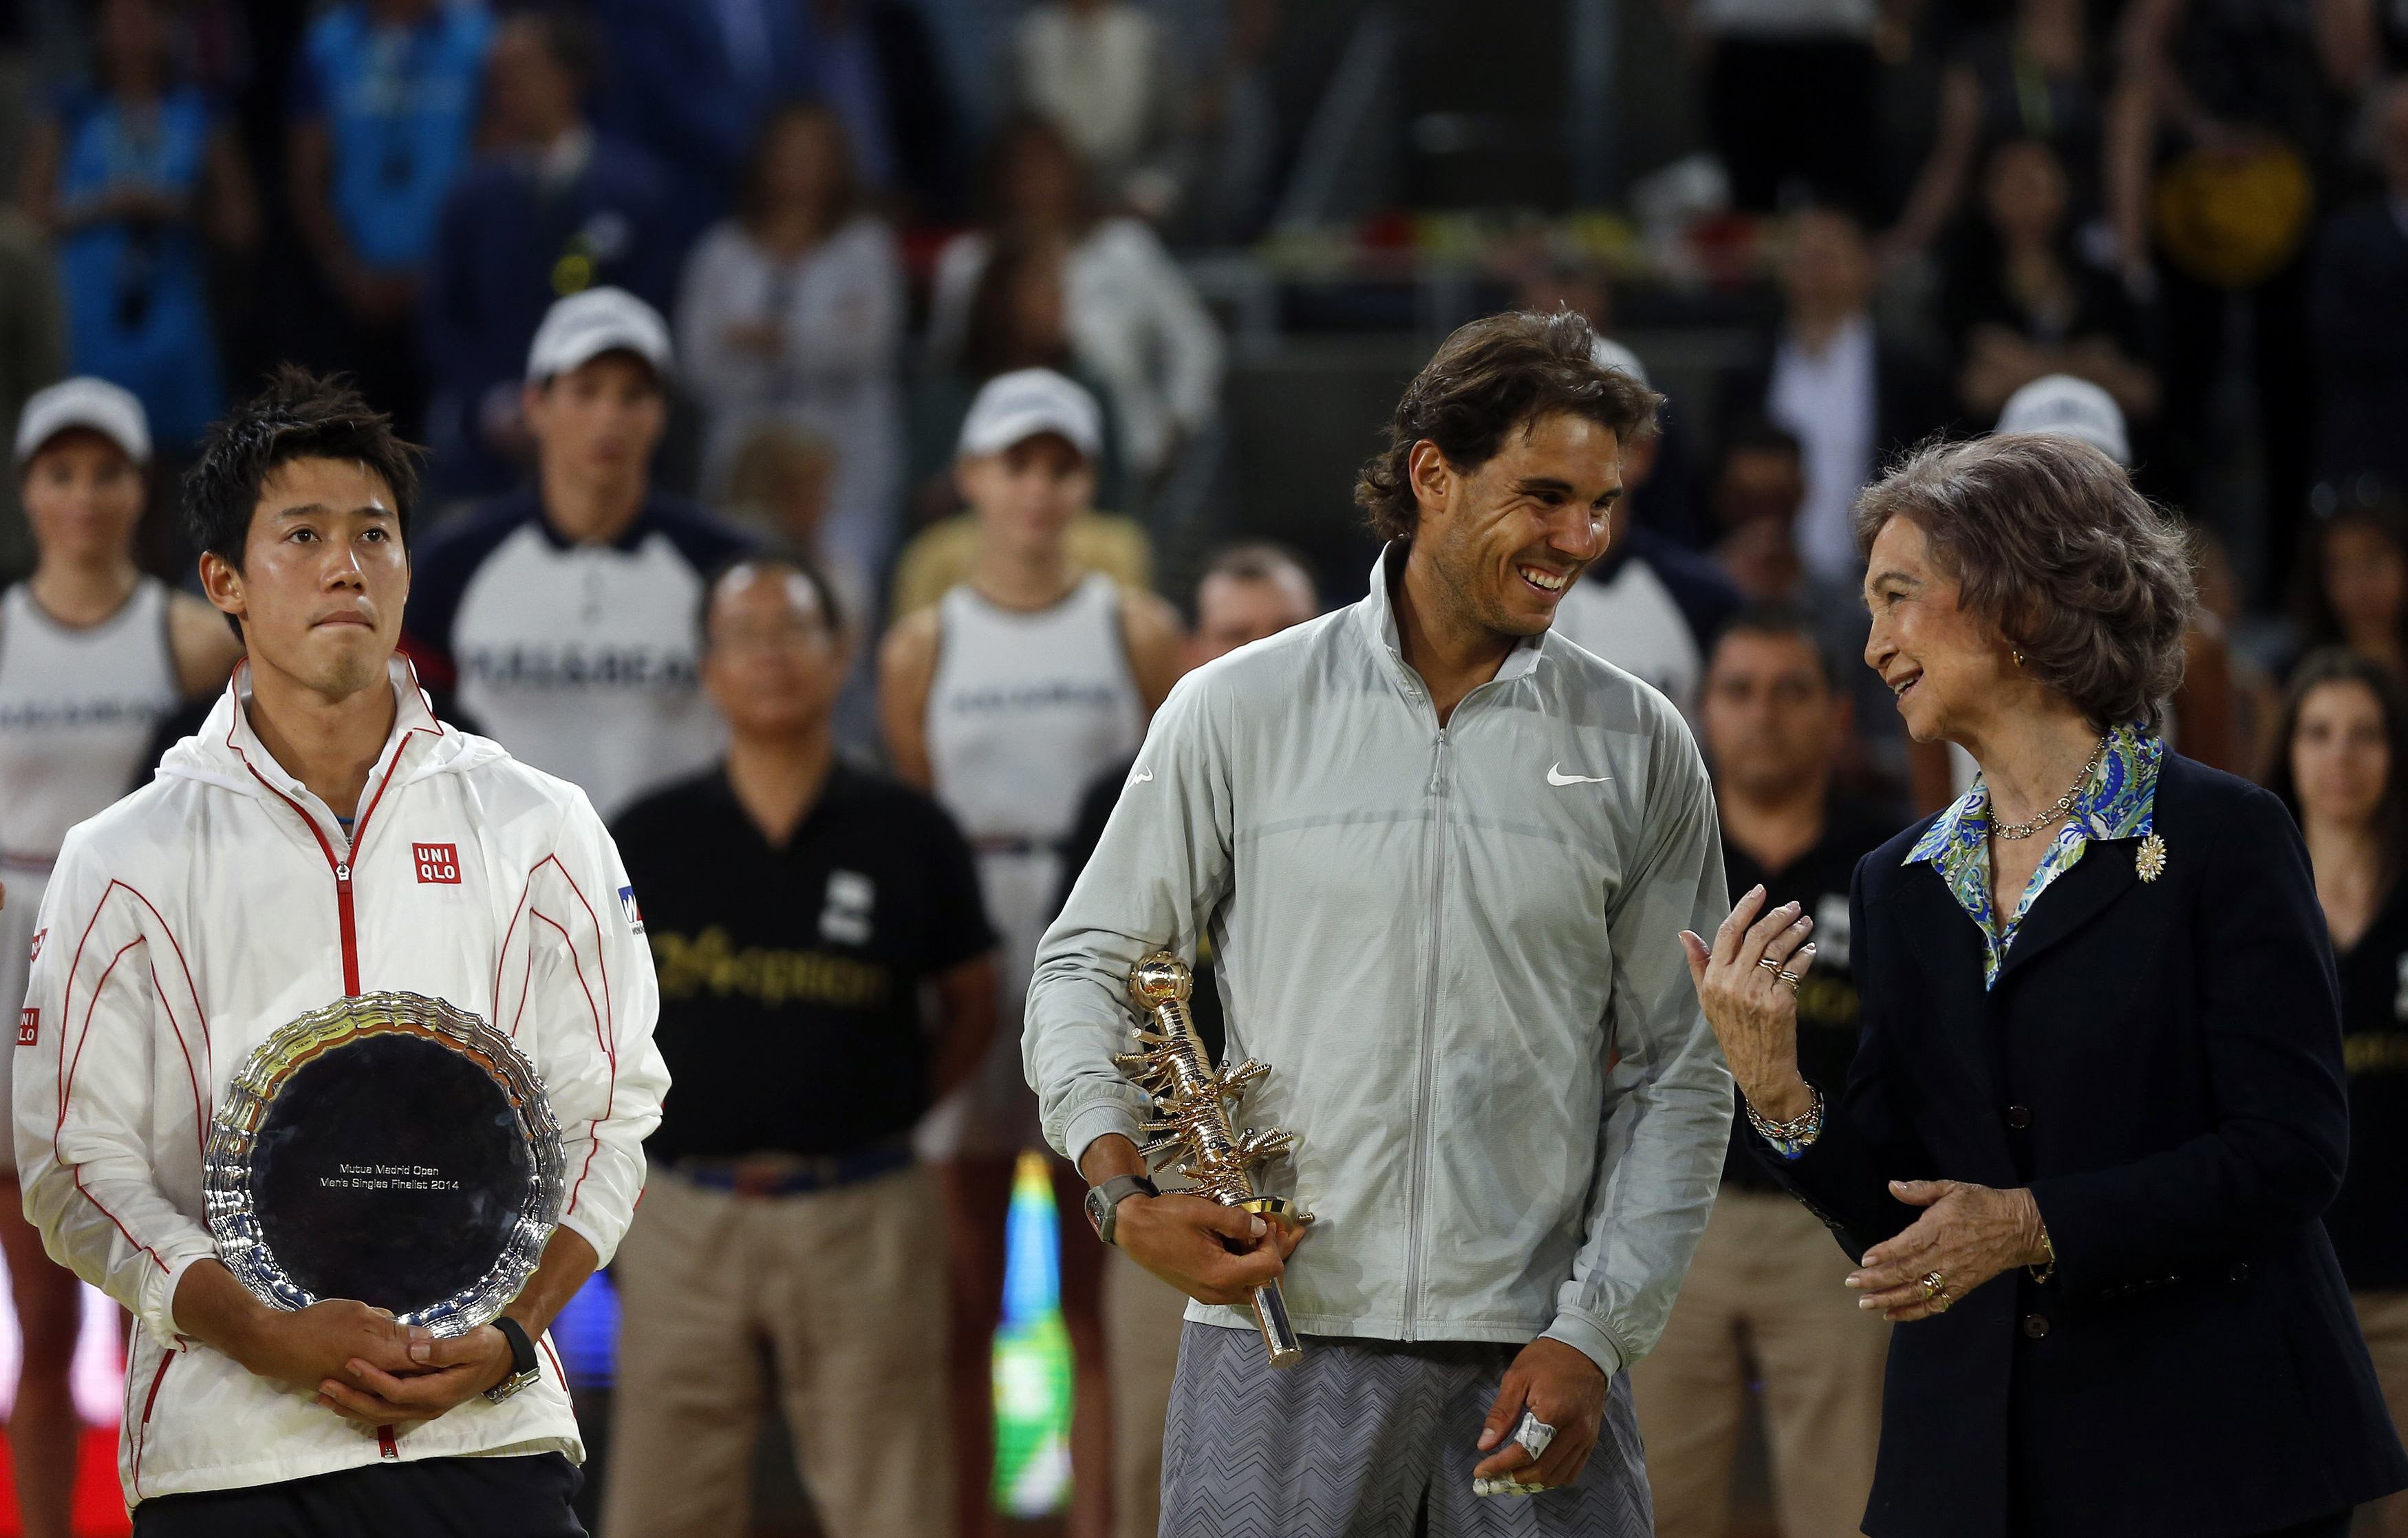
column 2098, row 1102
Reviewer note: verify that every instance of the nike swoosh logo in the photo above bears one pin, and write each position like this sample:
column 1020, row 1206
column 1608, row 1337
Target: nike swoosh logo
column 1556, row 776
column 1143, row 776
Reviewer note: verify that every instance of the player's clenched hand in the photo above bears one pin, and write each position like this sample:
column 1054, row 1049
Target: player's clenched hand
column 322, row 1341
column 1211, row 1253
column 1562, row 1388
column 443, row 1373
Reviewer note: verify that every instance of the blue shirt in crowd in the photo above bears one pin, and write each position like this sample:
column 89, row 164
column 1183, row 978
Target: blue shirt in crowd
column 399, row 104
column 138, row 294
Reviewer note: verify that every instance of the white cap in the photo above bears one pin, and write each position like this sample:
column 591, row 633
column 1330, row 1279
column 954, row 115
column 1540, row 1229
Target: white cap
column 1608, row 353
column 583, row 326
column 2071, row 408
column 1016, row 407
column 107, row 409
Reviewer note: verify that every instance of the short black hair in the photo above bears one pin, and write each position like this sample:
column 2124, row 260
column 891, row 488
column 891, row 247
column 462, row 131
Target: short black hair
column 299, row 415
column 1779, row 617
column 779, row 557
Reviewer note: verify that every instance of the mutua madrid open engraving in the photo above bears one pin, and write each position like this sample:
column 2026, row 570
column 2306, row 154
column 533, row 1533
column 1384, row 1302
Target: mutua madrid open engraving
column 390, row 1149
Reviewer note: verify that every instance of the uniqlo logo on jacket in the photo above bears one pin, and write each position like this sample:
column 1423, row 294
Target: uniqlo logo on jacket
column 29, row 1027
column 438, row 864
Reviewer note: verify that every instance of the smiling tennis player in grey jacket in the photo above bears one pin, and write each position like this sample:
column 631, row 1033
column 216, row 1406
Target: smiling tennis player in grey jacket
column 1443, row 858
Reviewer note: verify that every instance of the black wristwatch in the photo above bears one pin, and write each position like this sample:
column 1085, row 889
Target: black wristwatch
column 526, row 1366
column 1104, row 1201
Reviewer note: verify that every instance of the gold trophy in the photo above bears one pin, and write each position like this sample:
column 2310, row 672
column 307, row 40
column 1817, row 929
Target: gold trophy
column 1191, row 1103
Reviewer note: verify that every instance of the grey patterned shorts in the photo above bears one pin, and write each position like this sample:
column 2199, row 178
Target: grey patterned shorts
column 1369, row 1439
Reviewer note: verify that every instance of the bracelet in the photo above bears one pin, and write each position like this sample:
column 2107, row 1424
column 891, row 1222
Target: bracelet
column 2047, row 1268
column 1790, row 1139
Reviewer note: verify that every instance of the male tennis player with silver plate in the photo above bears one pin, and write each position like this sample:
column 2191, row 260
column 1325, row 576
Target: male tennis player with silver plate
column 1445, row 858
column 323, row 836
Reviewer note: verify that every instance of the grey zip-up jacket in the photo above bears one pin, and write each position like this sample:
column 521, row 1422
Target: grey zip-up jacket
column 1458, row 951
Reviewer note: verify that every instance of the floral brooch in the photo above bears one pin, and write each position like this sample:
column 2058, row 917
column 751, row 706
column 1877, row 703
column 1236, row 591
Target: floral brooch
column 2149, row 862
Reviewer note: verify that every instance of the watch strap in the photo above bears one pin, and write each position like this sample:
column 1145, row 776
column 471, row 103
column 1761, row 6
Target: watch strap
column 526, row 1366
column 1111, row 1194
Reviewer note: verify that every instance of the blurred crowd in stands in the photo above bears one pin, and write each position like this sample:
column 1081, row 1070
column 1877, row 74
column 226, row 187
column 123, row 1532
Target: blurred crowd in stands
column 930, row 297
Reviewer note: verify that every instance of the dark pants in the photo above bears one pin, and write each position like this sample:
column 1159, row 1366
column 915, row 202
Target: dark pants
column 520, row 1497
column 1802, row 110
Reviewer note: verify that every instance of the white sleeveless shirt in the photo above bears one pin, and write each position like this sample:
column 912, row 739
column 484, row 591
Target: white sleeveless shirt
column 1024, row 711
column 77, row 709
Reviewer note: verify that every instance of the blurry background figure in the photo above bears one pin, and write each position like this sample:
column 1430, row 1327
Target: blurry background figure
column 800, row 914
column 2021, row 301
column 548, row 210
column 1018, row 318
column 2343, row 771
column 1006, row 700
column 1854, row 397
column 1792, row 88
column 92, row 652
column 692, row 82
column 1101, row 71
column 1237, row 137
column 1753, row 496
column 1763, row 1309
column 2360, row 313
column 793, row 311
column 2199, row 718
column 874, row 65
column 2232, row 115
column 33, row 353
column 133, row 178
column 561, row 615
column 384, row 107
column 2033, row 76
column 1648, row 605
column 1133, row 320
column 2352, row 587
column 1248, row 592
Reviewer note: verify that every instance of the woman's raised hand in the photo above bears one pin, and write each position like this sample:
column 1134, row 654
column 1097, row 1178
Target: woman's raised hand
column 1751, row 1007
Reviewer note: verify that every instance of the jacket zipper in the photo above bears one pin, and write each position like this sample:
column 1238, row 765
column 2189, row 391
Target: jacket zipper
column 1427, row 1083
column 149, row 1401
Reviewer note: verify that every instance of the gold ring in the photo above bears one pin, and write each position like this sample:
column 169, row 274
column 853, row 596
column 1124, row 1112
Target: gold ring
column 1785, row 976
column 1768, row 963
column 1935, row 1286
column 1940, row 1303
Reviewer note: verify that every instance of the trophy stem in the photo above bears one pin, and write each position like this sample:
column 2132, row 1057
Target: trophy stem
column 1191, row 1107
column 1279, row 1336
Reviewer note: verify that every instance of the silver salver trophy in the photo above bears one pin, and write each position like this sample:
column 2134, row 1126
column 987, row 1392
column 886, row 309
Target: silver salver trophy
column 1191, row 1104
column 390, row 1149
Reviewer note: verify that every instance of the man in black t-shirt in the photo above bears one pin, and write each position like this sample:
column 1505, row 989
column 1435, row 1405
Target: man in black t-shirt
column 802, row 914
column 1762, row 1302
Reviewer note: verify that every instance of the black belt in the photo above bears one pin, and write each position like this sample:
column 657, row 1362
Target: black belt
column 799, row 1174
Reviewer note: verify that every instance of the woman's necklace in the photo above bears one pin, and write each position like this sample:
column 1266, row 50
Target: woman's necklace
column 2064, row 803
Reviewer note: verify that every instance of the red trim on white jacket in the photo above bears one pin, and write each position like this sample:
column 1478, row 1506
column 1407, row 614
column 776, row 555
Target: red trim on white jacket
column 204, row 864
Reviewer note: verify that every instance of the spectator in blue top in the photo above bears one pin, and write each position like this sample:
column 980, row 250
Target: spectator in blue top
column 692, row 82
column 549, row 209
column 384, row 113
column 129, row 176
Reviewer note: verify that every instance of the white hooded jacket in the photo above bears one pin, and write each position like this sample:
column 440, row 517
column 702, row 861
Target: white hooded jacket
column 187, row 922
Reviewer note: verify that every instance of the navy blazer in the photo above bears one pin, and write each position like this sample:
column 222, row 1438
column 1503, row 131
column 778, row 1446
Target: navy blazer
column 2160, row 1062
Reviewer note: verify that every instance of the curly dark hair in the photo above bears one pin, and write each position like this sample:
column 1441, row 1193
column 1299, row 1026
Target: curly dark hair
column 2091, row 582
column 1492, row 376
column 299, row 415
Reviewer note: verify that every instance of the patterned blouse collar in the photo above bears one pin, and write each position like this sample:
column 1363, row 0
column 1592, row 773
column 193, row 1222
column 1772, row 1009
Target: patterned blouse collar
column 2118, row 802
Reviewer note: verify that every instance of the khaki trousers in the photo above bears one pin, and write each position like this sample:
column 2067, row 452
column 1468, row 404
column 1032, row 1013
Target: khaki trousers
column 1764, row 1299
column 843, row 1293
column 1142, row 1318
